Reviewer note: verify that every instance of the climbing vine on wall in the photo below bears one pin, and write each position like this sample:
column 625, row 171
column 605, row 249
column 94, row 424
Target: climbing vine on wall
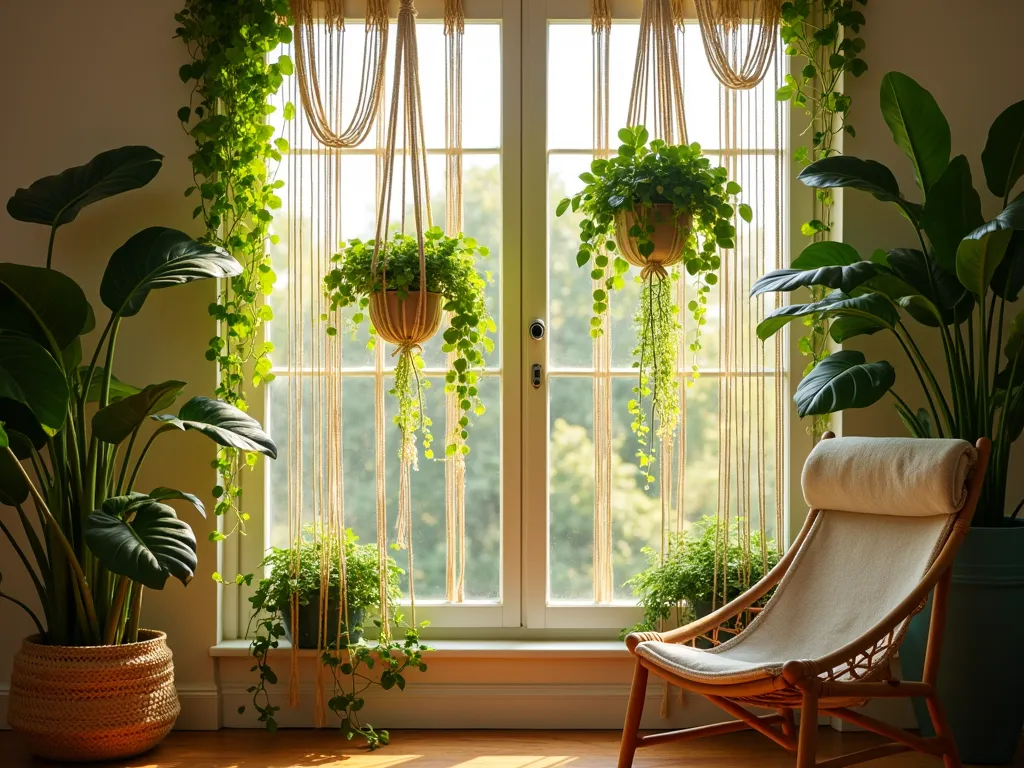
column 823, row 35
column 230, row 45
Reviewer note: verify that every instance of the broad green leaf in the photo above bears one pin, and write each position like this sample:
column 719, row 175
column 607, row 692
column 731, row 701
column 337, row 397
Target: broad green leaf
column 943, row 291
column 865, row 175
column 918, row 127
column 951, row 212
column 159, row 257
column 118, row 389
column 118, row 420
column 144, row 541
column 29, row 376
column 13, row 488
column 826, row 253
column 844, row 279
column 22, row 427
column 1015, row 337
column 56, row 200
column 843, row 328
column 979, row 254
column 843, row 380
column 836, row 304
column 42, row 303
column 224, row 424
column 163, row 494
column 1008, row 279
column 917, row 424
column 1003, row 156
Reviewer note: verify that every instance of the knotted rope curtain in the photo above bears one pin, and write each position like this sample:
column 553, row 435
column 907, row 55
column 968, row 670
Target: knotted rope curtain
column 328, row 38
column 740, row 47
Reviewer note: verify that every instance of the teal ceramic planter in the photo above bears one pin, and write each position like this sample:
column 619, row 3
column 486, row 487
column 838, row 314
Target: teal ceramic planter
column 981, row 678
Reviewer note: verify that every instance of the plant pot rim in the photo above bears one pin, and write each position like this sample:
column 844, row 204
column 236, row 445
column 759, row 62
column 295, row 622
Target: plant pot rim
column 153, row 636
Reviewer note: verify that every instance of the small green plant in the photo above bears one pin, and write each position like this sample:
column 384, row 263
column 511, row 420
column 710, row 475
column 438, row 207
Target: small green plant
column 640, row 176
column 683, row 581
column 452, row 273
column 233, row 75
column 350, row 661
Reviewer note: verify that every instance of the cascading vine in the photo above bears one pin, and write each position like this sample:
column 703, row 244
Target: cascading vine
column 229, row 45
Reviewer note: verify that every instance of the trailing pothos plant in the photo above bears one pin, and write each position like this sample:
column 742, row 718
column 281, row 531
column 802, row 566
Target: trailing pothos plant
column 824, row 34
column 69, row 432
column 233, row 78
column 956, row 280
column 680, row 584
column 355, row 665
column 452, row 273
column 641, row 176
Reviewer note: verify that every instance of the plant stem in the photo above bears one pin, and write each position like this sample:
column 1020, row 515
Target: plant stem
column 142, row 456
column 29, row 611
column 116, row 609
column 931, row 379
column 124, row 464
column 49, row 247
column 134, row 612
column 25, row 562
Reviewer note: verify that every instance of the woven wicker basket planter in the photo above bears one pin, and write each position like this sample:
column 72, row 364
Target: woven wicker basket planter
column 671, row 231
column 396, row 320
column 93, row 703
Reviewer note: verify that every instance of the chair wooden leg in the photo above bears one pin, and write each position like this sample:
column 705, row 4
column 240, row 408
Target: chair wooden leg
column 807, row 742
column 788, row 724
column 635, row 708
column 950, row 755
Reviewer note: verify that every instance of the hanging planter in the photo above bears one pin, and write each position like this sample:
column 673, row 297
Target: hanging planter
column 658, row 207
column 403, row 316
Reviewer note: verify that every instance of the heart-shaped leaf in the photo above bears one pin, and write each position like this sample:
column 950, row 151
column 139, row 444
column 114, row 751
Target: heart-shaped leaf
column 826, row 253
column 144, row 541
column 1003, row 156
column 843, row 380
column 118, row 420
column 162, row 494
column 224, row 424
column 918, row 127
column 56, row 200
column 159, row 257
column 42, row 303
column 844, row 279
column 28, row 375
column 951, row 212
column 979, row 255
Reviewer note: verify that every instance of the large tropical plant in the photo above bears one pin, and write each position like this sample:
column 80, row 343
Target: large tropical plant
column 69, row 432
column 955, row 281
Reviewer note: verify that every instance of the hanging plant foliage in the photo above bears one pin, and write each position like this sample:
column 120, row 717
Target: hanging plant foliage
column 453, row 286
column 233, row 77
column 658, row 207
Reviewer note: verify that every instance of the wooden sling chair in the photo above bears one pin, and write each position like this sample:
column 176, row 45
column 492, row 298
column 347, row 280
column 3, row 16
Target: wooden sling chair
column 887, row 518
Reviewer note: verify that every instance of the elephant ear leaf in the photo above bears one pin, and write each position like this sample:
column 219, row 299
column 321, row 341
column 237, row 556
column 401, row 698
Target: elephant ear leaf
column 159, row 257
column 117, row 421
column 1003, row 156
column 980, row 254
column 162, row 494
column 224, row 424
column 31, row 377
column 44, row 304
column 843, row 380
column 56, row 200
column 918, row 127
column 143, row 540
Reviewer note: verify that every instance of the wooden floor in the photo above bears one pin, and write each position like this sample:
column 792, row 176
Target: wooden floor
column 467, row 749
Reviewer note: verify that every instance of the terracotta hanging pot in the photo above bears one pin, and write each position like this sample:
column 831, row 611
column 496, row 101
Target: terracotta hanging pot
column 395, row 319
column 671, row 230
column 85, row 703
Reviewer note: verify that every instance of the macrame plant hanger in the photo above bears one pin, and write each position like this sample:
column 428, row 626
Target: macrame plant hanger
column 740, row 46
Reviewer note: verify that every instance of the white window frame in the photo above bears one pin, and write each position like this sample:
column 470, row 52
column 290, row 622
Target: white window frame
column 523, row 611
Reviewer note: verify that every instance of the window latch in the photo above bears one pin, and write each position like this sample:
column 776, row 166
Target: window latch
column 535, row 375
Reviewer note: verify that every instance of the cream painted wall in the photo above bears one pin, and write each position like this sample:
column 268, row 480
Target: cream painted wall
column 80, row 78
column 967, row 56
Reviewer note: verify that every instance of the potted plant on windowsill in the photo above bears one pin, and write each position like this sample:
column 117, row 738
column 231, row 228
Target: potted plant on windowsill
column 454, row 286
column 657, row 207
column 680, row 586
column 955, row 282
column 91, row 684
column 295, row 577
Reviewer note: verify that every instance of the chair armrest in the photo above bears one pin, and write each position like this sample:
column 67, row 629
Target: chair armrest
column 732, row 609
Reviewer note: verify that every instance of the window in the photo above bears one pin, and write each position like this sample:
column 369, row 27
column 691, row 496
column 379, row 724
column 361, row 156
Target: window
column 527, row 136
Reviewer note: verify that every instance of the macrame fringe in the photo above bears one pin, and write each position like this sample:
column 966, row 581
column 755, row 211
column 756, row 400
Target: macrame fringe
column 740, row 49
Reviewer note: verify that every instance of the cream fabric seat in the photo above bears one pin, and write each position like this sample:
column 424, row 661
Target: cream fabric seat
column 886, row 509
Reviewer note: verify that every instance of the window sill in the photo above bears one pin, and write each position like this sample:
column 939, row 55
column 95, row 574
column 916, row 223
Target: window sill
column 480, row 649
